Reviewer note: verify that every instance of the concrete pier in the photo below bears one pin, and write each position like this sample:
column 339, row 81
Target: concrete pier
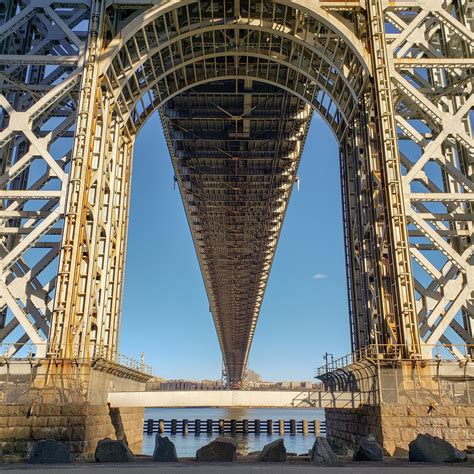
column 66, row 401
column 395, row 426
column 81, row 425
column 403, row 399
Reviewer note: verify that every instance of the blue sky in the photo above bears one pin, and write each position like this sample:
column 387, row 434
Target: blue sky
column 166, row 313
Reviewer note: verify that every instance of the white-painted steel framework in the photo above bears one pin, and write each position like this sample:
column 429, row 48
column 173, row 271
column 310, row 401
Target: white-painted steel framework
column 236, row 83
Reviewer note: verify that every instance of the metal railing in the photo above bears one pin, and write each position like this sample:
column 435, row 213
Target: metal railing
column 391, row 352
column 80, row 353
column 383, row 378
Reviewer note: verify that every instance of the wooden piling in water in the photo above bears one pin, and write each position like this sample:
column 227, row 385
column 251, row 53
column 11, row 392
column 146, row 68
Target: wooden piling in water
column 304, row 427
column 234, row 426
column 256, row 425
column 292, row 427
column 317, row 428
column 281, row 427
column 149, row 426
column 269, row 426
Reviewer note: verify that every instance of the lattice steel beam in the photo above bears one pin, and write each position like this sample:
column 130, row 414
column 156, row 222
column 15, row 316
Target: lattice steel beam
column 431, row 69
column 39, row 76
column 393, row 80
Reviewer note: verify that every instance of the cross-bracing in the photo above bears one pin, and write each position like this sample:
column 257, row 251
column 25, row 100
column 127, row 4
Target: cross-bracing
column 236, row 83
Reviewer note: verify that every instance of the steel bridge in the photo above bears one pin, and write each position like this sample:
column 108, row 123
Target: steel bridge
column 236, row 83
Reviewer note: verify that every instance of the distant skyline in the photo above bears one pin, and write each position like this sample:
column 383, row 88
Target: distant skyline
column 166, row 312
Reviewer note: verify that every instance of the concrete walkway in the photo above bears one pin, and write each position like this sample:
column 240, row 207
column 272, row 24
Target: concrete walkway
column 234, row 398
column 242, row 468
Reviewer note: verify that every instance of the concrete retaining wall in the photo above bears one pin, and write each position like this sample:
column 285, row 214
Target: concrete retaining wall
column 396, row 425
column 232, row 398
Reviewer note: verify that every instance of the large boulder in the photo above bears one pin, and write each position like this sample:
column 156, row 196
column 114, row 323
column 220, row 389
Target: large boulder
column 50, row 451
column 273, row 452
column 222, row 449
column 427, row 448
column 165, row 450
column 321, row 452
column 457, row 456
column 368, row 450
column 109, row 450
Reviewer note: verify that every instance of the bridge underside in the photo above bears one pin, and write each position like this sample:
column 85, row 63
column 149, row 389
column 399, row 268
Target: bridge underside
column 235, row 146
column 77, row 81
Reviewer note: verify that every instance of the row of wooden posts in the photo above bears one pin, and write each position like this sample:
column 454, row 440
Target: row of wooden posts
column 210, row 426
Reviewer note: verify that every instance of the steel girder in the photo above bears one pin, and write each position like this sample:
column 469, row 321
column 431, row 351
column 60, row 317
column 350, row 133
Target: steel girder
column 430, row 48
column 235, row 82
column 41, row 48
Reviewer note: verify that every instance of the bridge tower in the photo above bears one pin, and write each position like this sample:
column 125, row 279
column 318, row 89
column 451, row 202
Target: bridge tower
column 235, row 83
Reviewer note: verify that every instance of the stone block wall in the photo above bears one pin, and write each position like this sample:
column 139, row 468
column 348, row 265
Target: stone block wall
column 81, row 425
column 345, row 427
column 402, row 423
column 396, row 425
column 130, row 420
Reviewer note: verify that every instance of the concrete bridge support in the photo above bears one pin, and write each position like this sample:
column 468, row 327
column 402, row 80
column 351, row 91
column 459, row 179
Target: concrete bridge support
column 67, row 402
column 402, row 399
column 396, row 425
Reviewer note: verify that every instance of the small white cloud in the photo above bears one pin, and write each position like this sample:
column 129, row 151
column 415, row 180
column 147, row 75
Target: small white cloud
column 319, row 276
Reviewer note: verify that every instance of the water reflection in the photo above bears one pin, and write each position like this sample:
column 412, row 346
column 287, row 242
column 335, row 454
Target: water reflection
column 187, row 445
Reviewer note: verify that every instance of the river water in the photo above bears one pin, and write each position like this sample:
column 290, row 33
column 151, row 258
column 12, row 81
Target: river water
column 186, row 445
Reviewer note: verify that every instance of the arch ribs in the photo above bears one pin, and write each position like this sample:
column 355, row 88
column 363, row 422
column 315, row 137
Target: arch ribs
column 406, row 161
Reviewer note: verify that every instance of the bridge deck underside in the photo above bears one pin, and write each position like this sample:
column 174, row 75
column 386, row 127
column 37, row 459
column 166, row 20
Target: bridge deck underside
column 235, row 147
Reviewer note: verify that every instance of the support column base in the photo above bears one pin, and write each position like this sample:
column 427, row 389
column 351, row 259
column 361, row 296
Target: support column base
column 68, row 402
column 395, row 426
column 80, row 425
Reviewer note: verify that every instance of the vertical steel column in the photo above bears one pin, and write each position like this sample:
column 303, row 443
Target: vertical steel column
column 403, row 321
column 68, row 333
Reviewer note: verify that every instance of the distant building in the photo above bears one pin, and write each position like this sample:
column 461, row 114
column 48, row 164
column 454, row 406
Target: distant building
column 184, row 385
column 251, row 376
column 253, row 381
column 303, row 385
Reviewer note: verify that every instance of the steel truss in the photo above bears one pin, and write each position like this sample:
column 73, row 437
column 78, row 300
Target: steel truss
column 235, row 83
